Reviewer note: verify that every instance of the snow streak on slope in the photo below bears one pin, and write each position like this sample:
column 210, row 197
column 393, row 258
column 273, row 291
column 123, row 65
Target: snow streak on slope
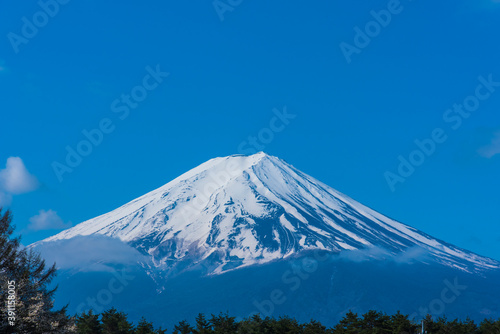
column 242, row 210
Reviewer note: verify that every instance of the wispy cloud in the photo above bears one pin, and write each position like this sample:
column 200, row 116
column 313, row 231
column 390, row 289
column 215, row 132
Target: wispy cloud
column 492, row 148
column 478, row 146
column 408, row 256
column 47, row 220
column 15, row 179
column 89, row 253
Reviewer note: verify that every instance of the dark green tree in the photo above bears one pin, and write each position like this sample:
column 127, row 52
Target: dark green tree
column 223, row 324
column 469, row 326
column 9, row 246
column 287, row 325
column 489, row 326
column 202, row 325
column 33, row 298
column 183, row 327
column 400, row 323
column 161, row 331
column 314, row 327
column 374, row 322
column 434, row 326
column 254, row 325
column 88, row 323
column 349, row 324
column 144, row 327
column 114, row 322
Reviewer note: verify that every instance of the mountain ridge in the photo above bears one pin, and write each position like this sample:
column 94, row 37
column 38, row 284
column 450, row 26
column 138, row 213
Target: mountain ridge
column 245, row 210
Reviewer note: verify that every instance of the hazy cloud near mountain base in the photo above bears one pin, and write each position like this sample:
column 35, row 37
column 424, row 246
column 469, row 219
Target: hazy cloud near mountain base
column 94, row 253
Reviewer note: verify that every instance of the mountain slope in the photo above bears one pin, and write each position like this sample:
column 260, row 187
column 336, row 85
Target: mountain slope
column 239, row 211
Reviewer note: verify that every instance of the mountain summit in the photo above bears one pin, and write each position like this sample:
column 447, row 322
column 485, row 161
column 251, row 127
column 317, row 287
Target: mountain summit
column 238, row 211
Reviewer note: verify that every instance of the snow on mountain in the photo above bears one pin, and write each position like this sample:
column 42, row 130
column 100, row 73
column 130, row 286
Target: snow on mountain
column 242, row 210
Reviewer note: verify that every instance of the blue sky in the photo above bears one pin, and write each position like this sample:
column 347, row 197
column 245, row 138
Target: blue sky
column 231, row 67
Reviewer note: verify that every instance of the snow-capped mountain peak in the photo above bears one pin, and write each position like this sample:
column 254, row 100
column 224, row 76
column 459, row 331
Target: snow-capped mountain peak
column 243, row 210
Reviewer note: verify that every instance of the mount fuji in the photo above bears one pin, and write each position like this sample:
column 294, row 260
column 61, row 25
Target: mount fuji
column 246, row 223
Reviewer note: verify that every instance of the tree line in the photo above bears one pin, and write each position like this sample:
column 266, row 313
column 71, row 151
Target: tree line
column 27, row 307
column 372, row 322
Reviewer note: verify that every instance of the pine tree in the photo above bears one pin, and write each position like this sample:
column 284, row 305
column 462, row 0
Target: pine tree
column 432, row 326
column 287, row 325
column 314, row 327
column 489, row 326
column 9, row 246
column 253, row 325
column 349, row 324
column 223, row 324
column 183, row 327
column 88, row 323
column 401, row 324
column 114, row 322
column 161, row 331
column 202, row 325
column 469, row 326
column 374, row 322
column 33, row 298
column 144, row 327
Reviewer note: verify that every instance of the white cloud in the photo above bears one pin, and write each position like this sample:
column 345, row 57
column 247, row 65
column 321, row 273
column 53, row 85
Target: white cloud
column 90, row 253
column 15, row 178
column 47, row 220
column 491, row 149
